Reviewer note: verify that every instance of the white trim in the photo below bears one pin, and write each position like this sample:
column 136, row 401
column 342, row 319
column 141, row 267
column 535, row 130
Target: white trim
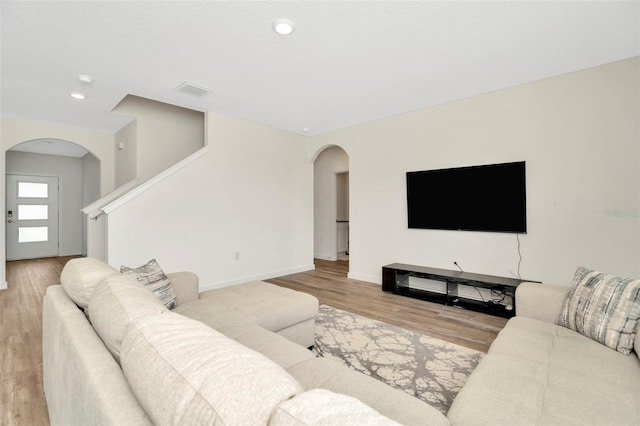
column 322, row 257
column 3, row 285
column 144, row 186
column 93, row 209
column 275, row 274
column 364, row 277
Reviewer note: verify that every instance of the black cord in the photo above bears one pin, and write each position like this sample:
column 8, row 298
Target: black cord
column 501, row 294
column 519, row 256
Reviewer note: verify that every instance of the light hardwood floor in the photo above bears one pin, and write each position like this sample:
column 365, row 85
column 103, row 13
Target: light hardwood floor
column 21, row 395
column 329, row 283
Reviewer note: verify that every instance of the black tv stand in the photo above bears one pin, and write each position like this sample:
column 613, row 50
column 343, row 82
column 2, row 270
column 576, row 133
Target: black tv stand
column 484, row 293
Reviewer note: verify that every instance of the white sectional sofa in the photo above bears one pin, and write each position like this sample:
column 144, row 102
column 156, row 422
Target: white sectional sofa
column 539, row 373
column 231, row 356
column 238, row 356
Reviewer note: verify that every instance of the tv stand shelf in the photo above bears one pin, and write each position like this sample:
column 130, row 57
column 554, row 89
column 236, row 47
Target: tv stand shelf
column 484, row 293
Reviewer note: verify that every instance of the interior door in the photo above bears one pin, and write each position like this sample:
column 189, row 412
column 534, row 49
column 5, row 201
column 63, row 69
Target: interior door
column 32, row 217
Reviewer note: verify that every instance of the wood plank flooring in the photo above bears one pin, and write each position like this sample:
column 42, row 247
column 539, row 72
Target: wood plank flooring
column 21, row 396
column 329, row 283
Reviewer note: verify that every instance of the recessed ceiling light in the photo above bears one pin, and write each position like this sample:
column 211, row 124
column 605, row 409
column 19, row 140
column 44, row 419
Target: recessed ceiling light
column 283, row 26
column 83, row 78
column 76, row 95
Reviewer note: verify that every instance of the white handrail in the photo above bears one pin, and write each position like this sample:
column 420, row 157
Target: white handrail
column 95, row 209
column 144, row 186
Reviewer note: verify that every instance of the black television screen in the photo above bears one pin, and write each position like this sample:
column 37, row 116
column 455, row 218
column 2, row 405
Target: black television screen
column 478, row 198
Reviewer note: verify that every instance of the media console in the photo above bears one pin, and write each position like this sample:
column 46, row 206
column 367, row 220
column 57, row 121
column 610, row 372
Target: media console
column 484, row 293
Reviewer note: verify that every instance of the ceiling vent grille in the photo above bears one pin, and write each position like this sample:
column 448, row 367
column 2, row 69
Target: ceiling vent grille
column 193, row 89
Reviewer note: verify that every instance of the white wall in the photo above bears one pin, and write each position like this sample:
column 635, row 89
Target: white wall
column 330, row 161
column 17, row 130
column 126, row 158
column 69, row 173
column 242, row 211
column 578, row 134
column 90, row 190
column 164, row 134
column 342, row 196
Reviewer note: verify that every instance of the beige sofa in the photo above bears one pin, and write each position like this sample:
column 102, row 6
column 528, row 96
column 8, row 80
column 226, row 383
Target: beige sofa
column 538, row 373
column 231, row 356
column 237, row 356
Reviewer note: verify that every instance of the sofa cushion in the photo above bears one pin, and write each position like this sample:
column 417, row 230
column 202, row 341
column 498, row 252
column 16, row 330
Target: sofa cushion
column 257, row 302
column 184, row 372
column 83, row 384
column 396, row 404
column 215, row 315
column 153, row 277
column 279, row 349
column 116, row 302
column 544, row 374
column 604, row 308
column 80, row 276
column 322, row 407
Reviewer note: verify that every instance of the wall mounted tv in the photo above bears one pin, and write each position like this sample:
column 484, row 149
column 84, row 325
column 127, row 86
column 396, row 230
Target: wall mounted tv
column 488, row 198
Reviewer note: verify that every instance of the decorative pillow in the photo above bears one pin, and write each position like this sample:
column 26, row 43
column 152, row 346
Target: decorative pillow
column 153, row 277
column 604, row 308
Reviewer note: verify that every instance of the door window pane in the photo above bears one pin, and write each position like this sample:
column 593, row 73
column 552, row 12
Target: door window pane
column 33, row 190
column 33, row 212
column 33, row 234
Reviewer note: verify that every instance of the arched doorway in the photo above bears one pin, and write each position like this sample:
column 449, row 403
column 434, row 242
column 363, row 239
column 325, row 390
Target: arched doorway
column 331, row 204
column 48, row 163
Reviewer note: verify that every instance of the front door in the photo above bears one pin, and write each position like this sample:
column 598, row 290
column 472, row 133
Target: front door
column 32, row 217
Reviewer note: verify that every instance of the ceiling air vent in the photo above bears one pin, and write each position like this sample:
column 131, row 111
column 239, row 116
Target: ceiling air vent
column 193, row 89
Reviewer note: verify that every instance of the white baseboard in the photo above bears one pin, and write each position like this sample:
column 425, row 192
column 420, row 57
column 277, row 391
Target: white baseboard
column 3, row 285
column 322, row 257
column 274, row 274
column 364, row 277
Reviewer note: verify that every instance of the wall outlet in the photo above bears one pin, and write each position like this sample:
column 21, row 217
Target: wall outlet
column 237, row 255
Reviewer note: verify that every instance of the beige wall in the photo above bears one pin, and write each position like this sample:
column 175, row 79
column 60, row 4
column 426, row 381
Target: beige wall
column 578, row 134
column 342, row 196
column 125, row 153
column 16, row 130
column 242, row 211
column 164, row 134
column 90, row 191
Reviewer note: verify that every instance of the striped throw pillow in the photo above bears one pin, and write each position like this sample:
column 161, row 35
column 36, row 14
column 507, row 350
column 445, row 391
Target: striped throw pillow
column 153, row 277
column 604, row 308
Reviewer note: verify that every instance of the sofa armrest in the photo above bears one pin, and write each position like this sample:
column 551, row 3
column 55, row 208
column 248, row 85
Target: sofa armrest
column 186, row 285
column 540, row 301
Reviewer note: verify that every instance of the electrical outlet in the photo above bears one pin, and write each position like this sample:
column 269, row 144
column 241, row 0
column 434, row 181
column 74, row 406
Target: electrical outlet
column 237, row 255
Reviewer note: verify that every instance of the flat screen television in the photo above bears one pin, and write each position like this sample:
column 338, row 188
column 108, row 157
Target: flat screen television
column 488, row 198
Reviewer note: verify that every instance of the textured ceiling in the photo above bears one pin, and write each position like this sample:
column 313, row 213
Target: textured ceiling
column 346, row 62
